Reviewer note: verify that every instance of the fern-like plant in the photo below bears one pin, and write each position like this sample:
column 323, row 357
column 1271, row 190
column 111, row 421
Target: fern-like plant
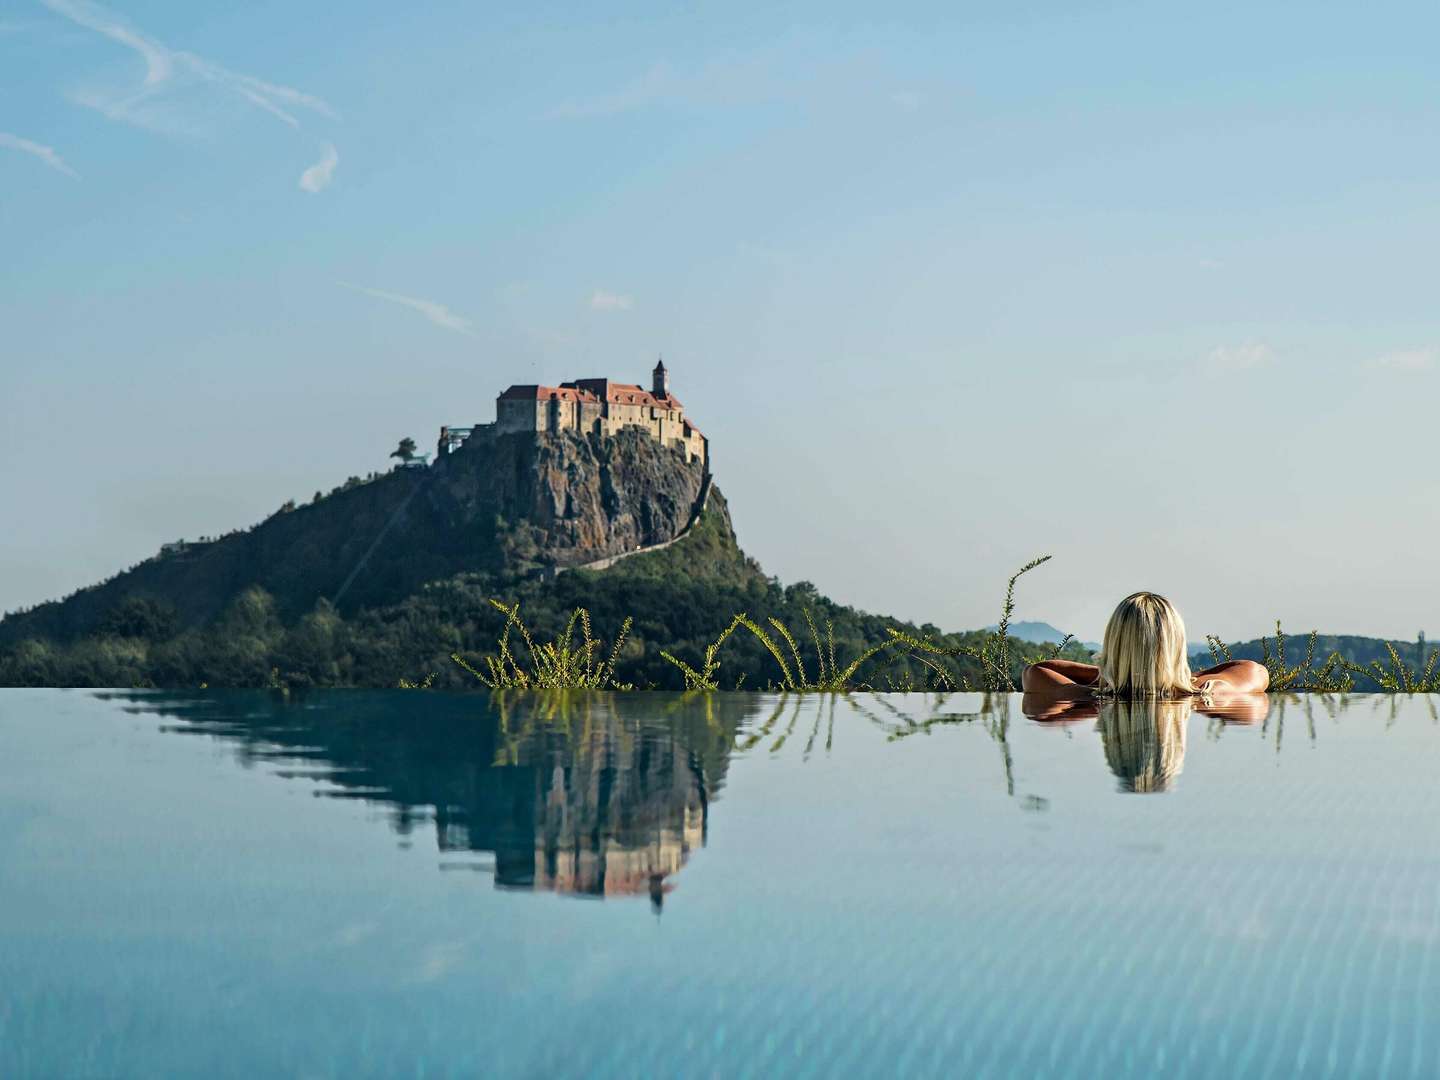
column 557, row 665
column 1400, row 677
column 993, row 653
column 1330, row 677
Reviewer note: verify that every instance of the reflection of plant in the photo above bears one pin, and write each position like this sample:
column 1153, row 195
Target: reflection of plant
column 557, row 665
column 896, row 724
column 566, row 714
column 764, row 730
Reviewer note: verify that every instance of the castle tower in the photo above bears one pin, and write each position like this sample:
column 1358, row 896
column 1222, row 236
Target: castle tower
column 660, row 380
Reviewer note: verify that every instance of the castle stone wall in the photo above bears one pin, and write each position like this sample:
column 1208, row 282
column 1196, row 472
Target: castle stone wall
column 587, row 408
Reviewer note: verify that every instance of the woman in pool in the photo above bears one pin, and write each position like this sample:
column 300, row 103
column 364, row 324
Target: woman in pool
column 1142, row 656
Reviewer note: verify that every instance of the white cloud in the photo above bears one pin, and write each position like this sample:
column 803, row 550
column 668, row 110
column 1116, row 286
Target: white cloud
column 159, row 65
column 1211, row 264
column 600, row 300
column 46, row 154
column 438, row 314
column 1407, row 360
column 318, row 176
column 908, row 100
column 168, row 72
column 1232, row 358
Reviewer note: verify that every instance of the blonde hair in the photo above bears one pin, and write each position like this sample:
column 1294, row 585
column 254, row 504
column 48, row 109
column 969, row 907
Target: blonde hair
column 1145, row 742
column 1143, row 654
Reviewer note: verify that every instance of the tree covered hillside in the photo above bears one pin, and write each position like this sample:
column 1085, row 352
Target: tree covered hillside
column 680, row 599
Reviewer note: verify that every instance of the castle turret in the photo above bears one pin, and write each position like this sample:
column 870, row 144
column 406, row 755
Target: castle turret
column 660, row 380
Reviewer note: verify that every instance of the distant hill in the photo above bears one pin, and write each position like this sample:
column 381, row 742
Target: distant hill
column 1040, row 633
column 383, row 580
column 1353, row 647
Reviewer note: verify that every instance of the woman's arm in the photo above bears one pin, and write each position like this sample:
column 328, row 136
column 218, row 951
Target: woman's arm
column 1245, row 676
column 1059, row 677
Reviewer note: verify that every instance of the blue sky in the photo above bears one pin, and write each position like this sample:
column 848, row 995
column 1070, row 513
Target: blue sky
column 1148, row 287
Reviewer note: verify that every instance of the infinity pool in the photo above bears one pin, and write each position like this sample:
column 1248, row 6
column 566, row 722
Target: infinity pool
column 413, row 884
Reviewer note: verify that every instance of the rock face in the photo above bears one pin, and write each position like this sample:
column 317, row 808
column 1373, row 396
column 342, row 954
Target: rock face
column 503, row 504
column 568, row 499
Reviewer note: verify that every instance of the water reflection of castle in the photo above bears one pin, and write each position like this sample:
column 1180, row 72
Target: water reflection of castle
column 588, row 796
column 606, row 812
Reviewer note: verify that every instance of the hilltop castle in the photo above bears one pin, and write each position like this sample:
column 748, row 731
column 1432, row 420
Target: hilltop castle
column 599, row 406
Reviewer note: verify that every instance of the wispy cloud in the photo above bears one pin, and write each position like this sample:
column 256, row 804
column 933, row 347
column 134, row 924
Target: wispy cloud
column 437, row 313
column 908, row 100
column 1406, row 360
column 1232, row 358
column 170, row 72
column 45, row 153
column 318, row 176
column 600, row 300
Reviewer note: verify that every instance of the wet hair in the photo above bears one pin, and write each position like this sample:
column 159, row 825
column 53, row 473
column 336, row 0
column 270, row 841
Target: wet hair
column 1144, row 742
column 1143, row 654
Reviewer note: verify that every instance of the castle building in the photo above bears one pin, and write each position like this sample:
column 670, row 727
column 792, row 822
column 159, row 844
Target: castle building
column 602, row 406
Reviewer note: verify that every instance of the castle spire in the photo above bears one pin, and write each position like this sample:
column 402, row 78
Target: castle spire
column 660, row 379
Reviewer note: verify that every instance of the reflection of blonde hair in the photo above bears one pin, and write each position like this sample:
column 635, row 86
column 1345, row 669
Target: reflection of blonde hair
column 1143, row 655
column 1144, row 742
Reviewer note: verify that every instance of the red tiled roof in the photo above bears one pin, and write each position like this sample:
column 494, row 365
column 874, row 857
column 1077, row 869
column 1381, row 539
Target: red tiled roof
column 630, row 394
column 689, row 427
column 593, row 390
column 618, row 393
column 547, row 393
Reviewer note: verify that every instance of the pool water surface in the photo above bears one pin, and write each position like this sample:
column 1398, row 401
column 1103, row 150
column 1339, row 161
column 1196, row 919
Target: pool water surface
column 353, row 883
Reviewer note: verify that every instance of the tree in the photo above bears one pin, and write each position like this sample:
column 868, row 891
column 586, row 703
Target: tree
column 139, row 617
column 406, row 450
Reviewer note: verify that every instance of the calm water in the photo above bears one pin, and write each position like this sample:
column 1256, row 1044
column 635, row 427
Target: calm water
column 409, row 884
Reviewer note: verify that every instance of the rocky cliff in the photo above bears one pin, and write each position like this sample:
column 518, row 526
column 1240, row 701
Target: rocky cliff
column 504, row 505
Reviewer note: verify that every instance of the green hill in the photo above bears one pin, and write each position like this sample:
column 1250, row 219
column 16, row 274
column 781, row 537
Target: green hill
column 1353, row 647
column 424, row 552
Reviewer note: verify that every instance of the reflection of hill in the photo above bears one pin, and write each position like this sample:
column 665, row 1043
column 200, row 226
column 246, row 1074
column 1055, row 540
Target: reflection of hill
column 585, row 794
